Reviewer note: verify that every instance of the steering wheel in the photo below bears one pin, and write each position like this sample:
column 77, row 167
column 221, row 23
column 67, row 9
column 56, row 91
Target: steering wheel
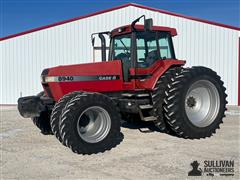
column 123, row 56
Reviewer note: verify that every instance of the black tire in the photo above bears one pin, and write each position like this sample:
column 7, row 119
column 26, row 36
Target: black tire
column 57, row 111
column 69, row 123
column 42, row 93
column 158, row 96
column 43, row 121
column 176, row 100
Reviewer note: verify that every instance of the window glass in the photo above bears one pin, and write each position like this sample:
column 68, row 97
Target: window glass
column 164, row 45
column 122, row 47
column 147, row 52
column 140, row 50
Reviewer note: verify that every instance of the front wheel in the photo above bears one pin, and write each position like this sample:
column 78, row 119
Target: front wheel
column 57, row 111
column 195, row 103
column 43, row 121
column 90, row 123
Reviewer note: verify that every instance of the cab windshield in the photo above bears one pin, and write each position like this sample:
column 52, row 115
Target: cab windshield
column 121, row 47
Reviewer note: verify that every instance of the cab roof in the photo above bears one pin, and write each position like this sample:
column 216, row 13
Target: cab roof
column 127, row 29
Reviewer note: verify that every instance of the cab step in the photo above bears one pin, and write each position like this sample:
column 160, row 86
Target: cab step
column 149, row 118
column 146, row 106
column 143, row 95
column 129, row 95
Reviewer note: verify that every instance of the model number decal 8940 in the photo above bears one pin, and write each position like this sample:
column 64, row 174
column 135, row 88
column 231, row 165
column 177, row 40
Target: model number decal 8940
column 65, row 78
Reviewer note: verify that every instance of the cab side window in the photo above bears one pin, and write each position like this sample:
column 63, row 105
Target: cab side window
column 122, row 47
column 121, row 50
column 147, row 51
column 164, row 45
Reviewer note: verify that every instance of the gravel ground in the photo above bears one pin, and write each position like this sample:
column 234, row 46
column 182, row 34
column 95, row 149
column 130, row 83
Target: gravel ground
column 27, row 154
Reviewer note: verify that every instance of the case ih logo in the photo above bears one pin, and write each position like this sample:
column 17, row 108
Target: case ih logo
column 212, row 168
column 107, row 77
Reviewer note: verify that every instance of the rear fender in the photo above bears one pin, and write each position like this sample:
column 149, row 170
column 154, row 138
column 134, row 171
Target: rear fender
column 147, row 77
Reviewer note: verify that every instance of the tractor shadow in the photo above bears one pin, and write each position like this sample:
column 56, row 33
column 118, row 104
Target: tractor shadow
column 143, row 127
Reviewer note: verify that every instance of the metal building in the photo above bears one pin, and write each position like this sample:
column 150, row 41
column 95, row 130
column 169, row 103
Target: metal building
column 200, row 42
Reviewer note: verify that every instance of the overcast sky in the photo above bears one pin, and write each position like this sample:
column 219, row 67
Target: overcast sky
column 21, row 15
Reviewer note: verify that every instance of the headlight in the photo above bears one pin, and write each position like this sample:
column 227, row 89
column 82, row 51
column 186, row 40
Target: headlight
column 47, row 79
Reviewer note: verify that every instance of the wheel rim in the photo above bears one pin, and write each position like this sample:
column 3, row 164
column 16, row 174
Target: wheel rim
column 202, row 103
column 94, row 124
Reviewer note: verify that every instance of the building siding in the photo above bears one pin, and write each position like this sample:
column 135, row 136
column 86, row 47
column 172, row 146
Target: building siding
column 24, row 57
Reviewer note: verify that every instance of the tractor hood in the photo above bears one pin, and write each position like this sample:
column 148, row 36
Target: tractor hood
column 88, row 69
column 94, row 77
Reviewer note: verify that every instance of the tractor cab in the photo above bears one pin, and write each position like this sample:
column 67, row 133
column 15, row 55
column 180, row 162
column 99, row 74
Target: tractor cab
column 138, row 46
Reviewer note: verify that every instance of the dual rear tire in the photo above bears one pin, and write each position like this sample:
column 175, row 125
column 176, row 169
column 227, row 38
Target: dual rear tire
column 194, row 103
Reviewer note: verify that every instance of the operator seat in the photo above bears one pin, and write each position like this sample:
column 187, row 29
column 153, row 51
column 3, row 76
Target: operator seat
column 152, row 57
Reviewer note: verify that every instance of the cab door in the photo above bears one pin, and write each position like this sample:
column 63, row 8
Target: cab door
column 121, row 49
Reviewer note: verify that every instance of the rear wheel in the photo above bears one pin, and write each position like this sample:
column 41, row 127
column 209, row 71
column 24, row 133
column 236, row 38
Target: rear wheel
column 90, row 123
column 195, row 103
column 158, row 96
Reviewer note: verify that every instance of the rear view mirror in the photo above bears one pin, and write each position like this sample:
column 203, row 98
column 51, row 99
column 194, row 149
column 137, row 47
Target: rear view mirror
column 148, row 24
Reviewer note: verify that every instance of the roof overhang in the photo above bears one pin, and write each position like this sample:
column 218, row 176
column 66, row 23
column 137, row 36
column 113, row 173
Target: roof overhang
column 127, row 29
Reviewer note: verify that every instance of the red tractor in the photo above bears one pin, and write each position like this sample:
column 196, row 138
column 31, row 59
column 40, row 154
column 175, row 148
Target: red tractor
column 83, row 104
